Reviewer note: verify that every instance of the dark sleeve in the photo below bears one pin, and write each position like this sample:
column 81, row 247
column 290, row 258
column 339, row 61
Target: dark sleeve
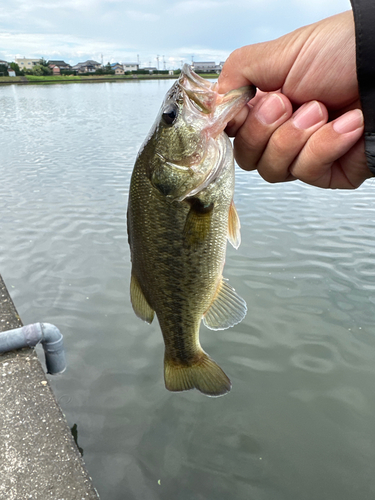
column 364, row 20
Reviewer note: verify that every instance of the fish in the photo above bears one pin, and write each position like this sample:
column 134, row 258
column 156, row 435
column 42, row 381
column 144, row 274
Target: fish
column 180, row 215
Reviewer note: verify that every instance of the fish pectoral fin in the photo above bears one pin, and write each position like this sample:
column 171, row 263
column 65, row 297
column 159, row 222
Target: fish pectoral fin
column 234, row 227
column 140, row 305
column 227, row 309
column 204, row 375
column 198, row 222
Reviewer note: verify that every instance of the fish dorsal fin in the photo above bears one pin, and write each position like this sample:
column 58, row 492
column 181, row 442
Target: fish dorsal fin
column 227, row 309
column 140, row 305
column 198, row 222
column 234, row 227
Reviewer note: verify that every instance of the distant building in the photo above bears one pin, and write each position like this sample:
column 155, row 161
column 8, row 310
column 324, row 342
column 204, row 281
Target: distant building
column 25, row 63
column 207, row 67
column 55, row 69
column 130, row 66
column 204, row 67
column 150, row 69
column 62, row 65
column 89, row 66
column 118, row 68
column 10, row 71
column 219, row 67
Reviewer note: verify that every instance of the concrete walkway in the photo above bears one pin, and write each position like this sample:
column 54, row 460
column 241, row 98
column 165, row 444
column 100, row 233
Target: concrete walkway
column 39, row 459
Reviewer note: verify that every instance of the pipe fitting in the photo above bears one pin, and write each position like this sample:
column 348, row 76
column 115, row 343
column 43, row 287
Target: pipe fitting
column 31, row 335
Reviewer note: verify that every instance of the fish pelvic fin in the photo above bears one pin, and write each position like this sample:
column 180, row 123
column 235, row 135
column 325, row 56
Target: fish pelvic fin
column 226, row 310
column 140, row 305
column 204, row 375
column 234, row 227
column 198, row 222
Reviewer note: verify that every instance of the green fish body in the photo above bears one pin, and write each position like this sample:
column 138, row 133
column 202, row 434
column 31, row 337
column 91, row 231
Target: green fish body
column 180, row 215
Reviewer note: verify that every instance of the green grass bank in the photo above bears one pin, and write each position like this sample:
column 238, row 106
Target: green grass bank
column 51, row 79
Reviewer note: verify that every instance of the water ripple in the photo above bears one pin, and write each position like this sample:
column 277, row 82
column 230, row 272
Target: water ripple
column 301, row 362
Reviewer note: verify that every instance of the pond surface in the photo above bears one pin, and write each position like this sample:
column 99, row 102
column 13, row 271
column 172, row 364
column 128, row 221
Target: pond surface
column 299, row 421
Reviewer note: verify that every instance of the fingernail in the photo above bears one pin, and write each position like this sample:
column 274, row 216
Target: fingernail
column 308, row 115
column 271, row 109
column 349, row 122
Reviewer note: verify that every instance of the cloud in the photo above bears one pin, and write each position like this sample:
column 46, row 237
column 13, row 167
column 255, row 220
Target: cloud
column 73, row 49
column 121, row 29
column 191, row 7
column 142, row 16
column 322, row 8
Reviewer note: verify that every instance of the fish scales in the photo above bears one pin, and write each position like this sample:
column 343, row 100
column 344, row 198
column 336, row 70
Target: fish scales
column 184, row 279
column 178, row 216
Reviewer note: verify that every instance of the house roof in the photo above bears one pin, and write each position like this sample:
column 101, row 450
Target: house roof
column 90, row 62
column 58, row 63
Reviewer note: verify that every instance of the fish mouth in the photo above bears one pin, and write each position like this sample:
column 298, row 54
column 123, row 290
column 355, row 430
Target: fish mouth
column 213, row 173
column 198, row 90
column 205, row 113
column 218, row 109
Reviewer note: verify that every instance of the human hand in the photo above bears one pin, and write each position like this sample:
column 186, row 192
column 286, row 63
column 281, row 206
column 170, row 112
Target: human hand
column 306, row 122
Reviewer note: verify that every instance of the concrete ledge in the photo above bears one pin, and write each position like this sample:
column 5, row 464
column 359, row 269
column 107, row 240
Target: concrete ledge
column 38, row 456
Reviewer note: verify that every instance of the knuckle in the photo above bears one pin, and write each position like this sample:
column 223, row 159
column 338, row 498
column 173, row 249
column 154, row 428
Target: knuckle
column 286, row 141
column 247, row 144
column 245, row 162
column 273, row 177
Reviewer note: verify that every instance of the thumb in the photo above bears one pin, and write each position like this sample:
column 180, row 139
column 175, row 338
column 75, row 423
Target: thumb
column 265, row 65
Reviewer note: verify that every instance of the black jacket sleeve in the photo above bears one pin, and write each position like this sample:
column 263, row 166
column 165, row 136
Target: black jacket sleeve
column 364, row 20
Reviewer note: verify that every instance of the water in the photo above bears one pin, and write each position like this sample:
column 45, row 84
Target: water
column 298, row 424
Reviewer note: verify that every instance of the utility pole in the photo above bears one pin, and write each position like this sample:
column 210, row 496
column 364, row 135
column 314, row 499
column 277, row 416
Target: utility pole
column 157, row 58
column 163, row 63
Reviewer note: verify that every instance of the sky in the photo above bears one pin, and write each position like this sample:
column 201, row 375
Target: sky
column 129, row 30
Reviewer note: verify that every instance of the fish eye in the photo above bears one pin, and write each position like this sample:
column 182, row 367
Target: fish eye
column 170, row 114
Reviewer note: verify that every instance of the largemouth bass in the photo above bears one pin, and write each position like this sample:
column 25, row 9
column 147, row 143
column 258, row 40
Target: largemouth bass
column 180, row 214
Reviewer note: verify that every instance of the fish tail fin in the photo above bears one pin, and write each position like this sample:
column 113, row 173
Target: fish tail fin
column 204, row 375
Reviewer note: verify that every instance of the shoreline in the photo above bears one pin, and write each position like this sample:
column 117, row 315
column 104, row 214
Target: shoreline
column 39, row 455
column 49, row 80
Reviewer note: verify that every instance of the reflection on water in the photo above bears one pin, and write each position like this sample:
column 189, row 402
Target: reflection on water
column 298, row 423
column 74, row 431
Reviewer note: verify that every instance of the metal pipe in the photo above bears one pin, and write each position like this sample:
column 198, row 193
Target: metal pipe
column 31, row 335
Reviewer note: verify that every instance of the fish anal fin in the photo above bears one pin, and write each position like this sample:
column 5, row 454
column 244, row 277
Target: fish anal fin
column 234, row 227
column 140, row 305
column 204, row 375
column 226, row 310
column 198, row 222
